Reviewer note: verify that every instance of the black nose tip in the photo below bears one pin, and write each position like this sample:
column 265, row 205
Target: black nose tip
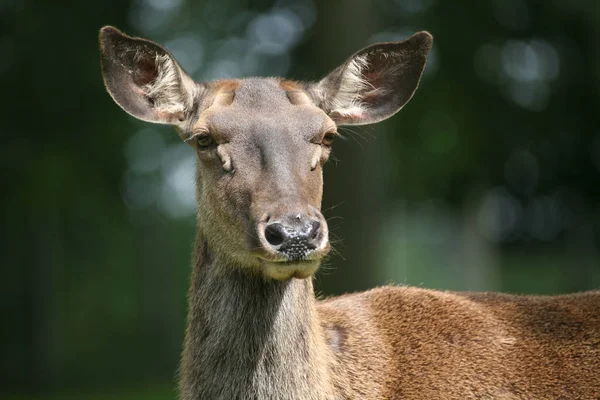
column 294, row 239
column 276, row 234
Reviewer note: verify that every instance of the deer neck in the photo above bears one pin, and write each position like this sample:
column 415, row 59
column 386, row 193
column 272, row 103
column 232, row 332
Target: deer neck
column 251, row 338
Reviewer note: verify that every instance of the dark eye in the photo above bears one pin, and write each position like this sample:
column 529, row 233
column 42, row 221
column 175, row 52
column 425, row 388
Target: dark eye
column 328, row 139
column 204, row 141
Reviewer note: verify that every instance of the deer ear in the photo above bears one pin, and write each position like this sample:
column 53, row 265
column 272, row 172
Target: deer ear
column 144, row 79
column 375, row 83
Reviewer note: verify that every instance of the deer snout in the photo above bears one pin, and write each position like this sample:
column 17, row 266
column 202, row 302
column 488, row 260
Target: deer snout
column 295, row 237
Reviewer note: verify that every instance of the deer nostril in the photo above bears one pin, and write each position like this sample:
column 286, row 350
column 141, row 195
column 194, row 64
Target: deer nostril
column 275, row 234
column 315, row 228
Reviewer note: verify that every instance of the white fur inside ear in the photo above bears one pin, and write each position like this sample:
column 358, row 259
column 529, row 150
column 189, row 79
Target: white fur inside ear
column 348, row 99
column 166, row 91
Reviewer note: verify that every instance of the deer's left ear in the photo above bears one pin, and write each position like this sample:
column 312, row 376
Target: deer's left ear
column 375, row 82
column 145, row 80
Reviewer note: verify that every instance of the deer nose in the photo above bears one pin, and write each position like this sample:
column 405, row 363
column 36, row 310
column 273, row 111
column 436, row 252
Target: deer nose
column 294, row 237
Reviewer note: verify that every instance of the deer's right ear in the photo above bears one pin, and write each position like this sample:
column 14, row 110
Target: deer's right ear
column 145, row 80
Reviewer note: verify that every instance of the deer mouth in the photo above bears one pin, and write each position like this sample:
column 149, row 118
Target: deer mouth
column 288, row 265
column 288, row 269
column 294, row 256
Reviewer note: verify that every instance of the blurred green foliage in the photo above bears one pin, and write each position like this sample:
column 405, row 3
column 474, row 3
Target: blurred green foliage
column 487, row 180
column 151, row 393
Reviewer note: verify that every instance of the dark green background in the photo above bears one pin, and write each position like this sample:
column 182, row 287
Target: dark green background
column 487, row 180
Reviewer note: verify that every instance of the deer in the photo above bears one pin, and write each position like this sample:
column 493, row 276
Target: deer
column 255, row 329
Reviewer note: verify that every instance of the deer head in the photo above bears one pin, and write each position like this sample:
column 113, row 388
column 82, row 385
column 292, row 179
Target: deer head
column 261, row 143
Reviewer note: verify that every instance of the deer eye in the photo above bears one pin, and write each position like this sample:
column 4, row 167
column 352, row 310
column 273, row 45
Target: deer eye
column 204, row 140
column 328, row 139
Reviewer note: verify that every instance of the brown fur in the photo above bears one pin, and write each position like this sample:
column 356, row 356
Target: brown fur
column 426, row 344
column 396, row 343
column 225, row 85
column 255, row 330
column 290, row 86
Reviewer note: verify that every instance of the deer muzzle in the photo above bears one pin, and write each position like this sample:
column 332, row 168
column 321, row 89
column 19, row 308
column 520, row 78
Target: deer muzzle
column 294, row 243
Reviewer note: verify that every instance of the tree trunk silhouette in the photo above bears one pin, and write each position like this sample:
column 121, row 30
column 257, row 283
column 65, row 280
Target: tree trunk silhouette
column 351, row 194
